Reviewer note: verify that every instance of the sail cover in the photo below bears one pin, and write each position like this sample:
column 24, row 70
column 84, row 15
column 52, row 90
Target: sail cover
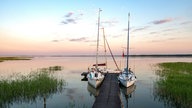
column 100, row 64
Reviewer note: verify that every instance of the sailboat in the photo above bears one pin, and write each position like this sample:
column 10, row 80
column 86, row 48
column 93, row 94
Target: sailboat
column 95, row 75
column 127, row 77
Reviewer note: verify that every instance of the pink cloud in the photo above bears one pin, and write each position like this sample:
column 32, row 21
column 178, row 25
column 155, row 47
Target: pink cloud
column 162, row 21
column 78, row 39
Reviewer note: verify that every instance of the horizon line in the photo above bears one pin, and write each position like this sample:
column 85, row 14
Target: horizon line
column 116, row 55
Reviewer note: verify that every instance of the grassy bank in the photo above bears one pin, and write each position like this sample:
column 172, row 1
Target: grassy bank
column 14, row 58
column 175, row 84
column 37, row 85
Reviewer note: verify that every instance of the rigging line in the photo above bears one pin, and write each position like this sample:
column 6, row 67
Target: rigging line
column 104, row 39
column 112, row 54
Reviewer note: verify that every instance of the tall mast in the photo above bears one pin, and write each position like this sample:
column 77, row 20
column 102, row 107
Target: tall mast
column 98, row 39
column 128, row 43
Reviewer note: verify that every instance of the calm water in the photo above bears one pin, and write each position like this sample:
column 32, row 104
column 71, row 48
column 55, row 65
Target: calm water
column 77, row 93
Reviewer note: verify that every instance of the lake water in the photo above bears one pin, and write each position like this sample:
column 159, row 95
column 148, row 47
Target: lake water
column 78, row 94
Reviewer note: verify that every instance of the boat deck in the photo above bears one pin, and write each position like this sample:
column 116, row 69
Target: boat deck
column 109, row 95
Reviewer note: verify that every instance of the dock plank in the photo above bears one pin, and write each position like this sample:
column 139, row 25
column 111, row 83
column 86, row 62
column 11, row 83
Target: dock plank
column 109, row 95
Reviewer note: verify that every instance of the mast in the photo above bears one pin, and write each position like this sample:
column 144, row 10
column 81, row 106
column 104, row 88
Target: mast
column 98, row 39
column 128, row 43
column 104, row 39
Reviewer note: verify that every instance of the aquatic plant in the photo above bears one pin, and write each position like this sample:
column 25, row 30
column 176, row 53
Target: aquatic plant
column 14, row 58
column 175, row 84
column 40, row 84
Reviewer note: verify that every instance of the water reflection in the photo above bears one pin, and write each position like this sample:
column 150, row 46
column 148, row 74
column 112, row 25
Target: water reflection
column 84, row 78
column 127, row 94
column 44, row 102
column 169, row 100
column 93, row 91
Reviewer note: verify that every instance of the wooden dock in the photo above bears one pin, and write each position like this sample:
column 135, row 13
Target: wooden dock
column 109, row 95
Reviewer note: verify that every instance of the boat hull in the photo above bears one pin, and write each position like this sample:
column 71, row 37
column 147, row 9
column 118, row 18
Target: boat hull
column 95, row 82
column 127, row 79
column 127, row 83
column 92, row 90
column 127, row 90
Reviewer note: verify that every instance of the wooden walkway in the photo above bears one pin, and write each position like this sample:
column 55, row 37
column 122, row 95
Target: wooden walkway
column 109, row 94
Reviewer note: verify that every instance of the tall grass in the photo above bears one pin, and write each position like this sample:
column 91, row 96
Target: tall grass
column 40, row 84
column 14, row 58
column 175, row 85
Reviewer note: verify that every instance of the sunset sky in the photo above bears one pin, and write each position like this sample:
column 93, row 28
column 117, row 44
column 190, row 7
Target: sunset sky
column 69, row 27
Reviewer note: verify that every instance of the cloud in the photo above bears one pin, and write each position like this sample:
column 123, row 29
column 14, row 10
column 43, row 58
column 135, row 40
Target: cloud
column 154, row 41
column 69, row 14
column 172, row 38
column 126, row 29
column 82, row 39
column 153, row 32
column 81, row 14
column 167, row 30
column 71, row 18
column 116, row 36
column 186, row 22
column 162, row 21
column 140, row 29
column 90, row 41
column 78, row 39
column 67, row 21
column 162, row 32
column 55, row 40
column 163, row 40
column 109, row 23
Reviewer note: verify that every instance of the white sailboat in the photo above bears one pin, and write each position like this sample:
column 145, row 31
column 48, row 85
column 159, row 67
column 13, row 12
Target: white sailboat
column 127, row 77
column 95, row 76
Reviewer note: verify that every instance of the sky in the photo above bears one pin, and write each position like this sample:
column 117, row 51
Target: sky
column 69, row 27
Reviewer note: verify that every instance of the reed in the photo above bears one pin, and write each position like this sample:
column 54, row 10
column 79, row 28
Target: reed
column 14, row 58
column 40, row 84
column 175, row 84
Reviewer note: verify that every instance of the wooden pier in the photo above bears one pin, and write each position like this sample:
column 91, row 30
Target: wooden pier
column 109, row 95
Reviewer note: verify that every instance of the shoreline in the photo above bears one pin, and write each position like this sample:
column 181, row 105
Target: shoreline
column 132, row 55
